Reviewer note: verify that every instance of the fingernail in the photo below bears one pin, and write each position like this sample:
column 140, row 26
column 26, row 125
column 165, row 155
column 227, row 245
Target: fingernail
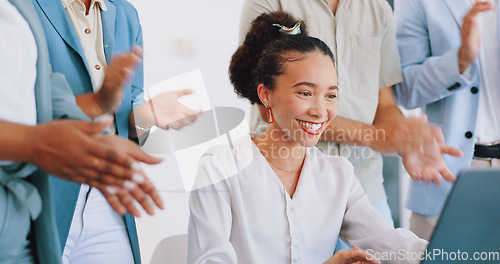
column 111, row 190
column 138, row 178
column 136, row 166
column 129, row 185
column 104, row 118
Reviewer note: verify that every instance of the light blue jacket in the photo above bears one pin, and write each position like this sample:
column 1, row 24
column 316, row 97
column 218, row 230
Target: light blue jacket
column 121, row 31
column 54, row 100
column 428, row 34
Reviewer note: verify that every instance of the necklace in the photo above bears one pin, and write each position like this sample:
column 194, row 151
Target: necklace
column 272, row 164
column 289, row 171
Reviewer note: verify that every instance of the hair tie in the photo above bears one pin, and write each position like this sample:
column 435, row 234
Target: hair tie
column 290, row 31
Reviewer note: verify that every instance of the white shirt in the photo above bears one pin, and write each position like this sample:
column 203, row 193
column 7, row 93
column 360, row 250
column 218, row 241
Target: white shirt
column 18, row 56
column 88, row 28
column 362, row 36
column 249, row 217
column 488, row 119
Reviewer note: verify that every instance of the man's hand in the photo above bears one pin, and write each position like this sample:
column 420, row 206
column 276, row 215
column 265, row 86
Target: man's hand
column 123, row 200
column 121, row 69
column 77, row 151
column 403, row 135
column 420, row 144
column 353, row 255
column 429, row 166
column 165, row 111
column 471, row 36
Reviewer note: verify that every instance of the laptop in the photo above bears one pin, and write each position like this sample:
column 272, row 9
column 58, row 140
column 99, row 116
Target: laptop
column 469, row 228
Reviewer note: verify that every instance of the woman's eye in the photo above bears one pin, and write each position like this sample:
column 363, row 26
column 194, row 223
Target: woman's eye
column 331, row 96
column 305, row 93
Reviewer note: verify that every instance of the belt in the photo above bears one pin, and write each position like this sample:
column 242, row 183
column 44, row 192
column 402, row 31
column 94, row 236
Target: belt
column 487, row 151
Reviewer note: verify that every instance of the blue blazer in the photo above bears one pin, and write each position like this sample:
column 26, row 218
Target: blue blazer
column 54, row 100
column 428, row 34
column 121, row 31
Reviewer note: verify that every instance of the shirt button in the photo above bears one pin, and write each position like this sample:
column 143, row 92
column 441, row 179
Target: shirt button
column 468, row 134
column 87, row 31
column 474, row 90
column 97, row 67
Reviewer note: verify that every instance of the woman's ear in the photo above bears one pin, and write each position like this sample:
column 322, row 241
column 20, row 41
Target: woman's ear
column 264, row 94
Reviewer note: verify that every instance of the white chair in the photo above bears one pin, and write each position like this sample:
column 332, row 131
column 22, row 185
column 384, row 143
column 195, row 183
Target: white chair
column 171, row 250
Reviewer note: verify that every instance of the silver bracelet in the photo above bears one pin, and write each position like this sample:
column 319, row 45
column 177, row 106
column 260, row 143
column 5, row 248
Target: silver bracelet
column 141, row 128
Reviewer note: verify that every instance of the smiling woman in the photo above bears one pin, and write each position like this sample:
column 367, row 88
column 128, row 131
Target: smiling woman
column 287, row 202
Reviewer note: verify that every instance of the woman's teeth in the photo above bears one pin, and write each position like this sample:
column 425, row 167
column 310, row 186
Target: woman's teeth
column 311, row 126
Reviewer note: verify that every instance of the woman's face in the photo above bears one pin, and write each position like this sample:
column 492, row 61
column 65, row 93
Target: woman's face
column 304, row 100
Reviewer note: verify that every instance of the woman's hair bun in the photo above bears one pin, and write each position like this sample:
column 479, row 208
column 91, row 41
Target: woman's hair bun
column 242, row 69
column 262, row 31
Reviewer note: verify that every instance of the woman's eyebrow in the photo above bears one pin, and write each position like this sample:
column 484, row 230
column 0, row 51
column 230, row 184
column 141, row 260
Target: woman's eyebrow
column 313, row 85
column 310, row 84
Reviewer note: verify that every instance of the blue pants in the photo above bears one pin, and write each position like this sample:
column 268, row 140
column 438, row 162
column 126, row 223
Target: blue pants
column 15, row 224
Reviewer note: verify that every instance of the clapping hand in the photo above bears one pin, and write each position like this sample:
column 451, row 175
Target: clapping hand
column 165, row 111
column 471, row 36
column 78, row 151
column 428, row 165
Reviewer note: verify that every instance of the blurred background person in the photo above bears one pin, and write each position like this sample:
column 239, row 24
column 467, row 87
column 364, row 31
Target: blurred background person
column 70, row 149
column 83, row 38
column 450, row 59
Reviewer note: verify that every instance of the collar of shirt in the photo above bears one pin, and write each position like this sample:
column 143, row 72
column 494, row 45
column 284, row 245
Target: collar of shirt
column 98, row 3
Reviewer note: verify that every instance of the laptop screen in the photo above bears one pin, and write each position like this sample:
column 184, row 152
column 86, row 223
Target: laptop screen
column 469, row 228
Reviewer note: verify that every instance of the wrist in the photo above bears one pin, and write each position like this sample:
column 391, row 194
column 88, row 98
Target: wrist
column 140, row 123
column 100, row 104
column 369, row 136
column 30, row 147
column 463, row 63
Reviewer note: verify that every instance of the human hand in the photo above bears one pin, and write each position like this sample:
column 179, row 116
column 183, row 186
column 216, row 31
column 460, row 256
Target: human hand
column 122, row 200
column 471, row 36
column 109, row 97
column 165, row 111
column 429, row 166
column 77, row 151
column 404, row 135
column 353, row 255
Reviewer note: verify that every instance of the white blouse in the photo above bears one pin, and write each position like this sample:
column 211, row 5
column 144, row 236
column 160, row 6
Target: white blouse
column 248, row 216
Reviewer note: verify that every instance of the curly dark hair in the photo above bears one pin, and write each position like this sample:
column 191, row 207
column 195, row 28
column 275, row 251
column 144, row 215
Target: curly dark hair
column 264, row 52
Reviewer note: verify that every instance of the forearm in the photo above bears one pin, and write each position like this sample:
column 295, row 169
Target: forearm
column 90, row 105
column 15, row 140
column 348, row 131
column 387, row 113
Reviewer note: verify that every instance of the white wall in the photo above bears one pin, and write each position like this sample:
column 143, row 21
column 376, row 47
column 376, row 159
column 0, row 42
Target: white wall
column 181, row 36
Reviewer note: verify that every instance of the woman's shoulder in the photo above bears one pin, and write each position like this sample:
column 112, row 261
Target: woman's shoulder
column 232, row 155
column 240, row 146
column 223, row 161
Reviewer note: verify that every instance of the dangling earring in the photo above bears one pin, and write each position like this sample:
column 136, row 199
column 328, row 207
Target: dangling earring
column 329, row 125
column 269, row 114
